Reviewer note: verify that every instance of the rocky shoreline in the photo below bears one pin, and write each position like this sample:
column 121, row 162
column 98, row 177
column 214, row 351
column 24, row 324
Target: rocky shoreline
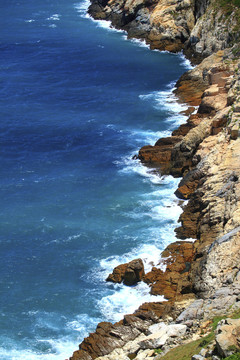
column 202, row 278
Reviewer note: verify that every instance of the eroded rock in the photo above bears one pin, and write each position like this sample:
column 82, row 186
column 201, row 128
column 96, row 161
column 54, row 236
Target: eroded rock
column 129, row 273
column 228, row 337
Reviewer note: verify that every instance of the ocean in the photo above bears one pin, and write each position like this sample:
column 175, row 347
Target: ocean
column 78, row 100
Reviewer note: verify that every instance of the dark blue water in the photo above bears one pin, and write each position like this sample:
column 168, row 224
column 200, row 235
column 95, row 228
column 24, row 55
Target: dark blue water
column 77, row 102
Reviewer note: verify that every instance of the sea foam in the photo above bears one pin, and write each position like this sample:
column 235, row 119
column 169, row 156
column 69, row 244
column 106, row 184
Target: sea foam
column 125, row 300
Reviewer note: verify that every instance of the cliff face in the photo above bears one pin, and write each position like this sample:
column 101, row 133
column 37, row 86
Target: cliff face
column 198, row 27
column 202, row 278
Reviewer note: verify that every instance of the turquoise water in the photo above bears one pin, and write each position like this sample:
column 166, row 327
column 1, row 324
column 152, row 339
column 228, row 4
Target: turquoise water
column 77, row 102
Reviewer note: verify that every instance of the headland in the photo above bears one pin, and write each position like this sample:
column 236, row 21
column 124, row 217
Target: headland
column 201, row 281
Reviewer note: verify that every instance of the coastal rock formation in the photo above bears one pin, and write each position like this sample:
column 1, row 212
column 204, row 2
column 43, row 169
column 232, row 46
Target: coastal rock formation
column 129, row 273
column 208, row 157
column 165, row 25
column 108, row 337
column 201, row 278
column 174, row 281
column 199, row 27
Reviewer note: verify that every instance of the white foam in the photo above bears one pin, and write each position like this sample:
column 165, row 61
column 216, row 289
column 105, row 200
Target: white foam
column 62, row 349
column 165, row 100
column 53, row 26
column 30, row 21
column 186, row 62
column 128, row 165
column 106, row 24
column 82, row 8
column 149, row 253
column 148, row 136
column 169, row 212
column 83, row 324
column 125, row 300
column 54, row 17
column 139, row 42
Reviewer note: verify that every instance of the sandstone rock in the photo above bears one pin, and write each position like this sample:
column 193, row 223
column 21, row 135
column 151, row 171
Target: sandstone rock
column 129, row 273
column 159, row 309
column 80, row 355
column 160, row 153
column 174, row 280
column 134, row 272
column 117, row 274
column 144, row 354
column 188, row 184
column 109, row 337
column 235, row 132
column 228, row 337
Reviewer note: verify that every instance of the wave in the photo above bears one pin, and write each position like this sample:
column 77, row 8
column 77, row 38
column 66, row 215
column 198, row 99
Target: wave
column 61, row 349
column 82, row 8
column 54, row 17
column 138, row 42
column 125, row 300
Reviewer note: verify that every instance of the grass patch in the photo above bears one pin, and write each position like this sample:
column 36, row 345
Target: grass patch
column 158, row 351
column 233, row 357
column 236, row 314
column 185, row 352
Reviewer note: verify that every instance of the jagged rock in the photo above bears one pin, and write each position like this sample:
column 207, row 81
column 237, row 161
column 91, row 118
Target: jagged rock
column 188, row 184
column 159, row 309
column 228, row 337
column 154, row 341
column 160, row 153
column 194, row 311
column 80, row 355
column 174, row 280
column 160, row 333
column 144, row 355
column 129, row 273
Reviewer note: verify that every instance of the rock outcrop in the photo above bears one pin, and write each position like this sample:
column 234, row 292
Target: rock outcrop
column 198, row 27
column 129, row 273
column 174, row 281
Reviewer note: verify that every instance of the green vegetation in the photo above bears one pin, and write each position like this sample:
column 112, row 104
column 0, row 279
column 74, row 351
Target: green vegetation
column 233, row 357
column 230, row 3
column 158, row 351
column 185, row 352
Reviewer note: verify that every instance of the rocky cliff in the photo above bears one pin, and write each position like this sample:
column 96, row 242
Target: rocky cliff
column 199, row 27
column 202, row 278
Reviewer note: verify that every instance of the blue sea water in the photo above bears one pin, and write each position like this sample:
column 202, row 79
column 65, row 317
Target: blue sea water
column 77, row 102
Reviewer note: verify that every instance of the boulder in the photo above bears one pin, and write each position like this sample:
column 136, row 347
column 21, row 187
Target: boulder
column 192, row 312
column 129, row 273
column 160, row 153
column 228, row 337
column 160, row 333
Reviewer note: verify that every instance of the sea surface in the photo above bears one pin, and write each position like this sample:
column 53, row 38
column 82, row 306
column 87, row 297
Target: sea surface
column 77, row 102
